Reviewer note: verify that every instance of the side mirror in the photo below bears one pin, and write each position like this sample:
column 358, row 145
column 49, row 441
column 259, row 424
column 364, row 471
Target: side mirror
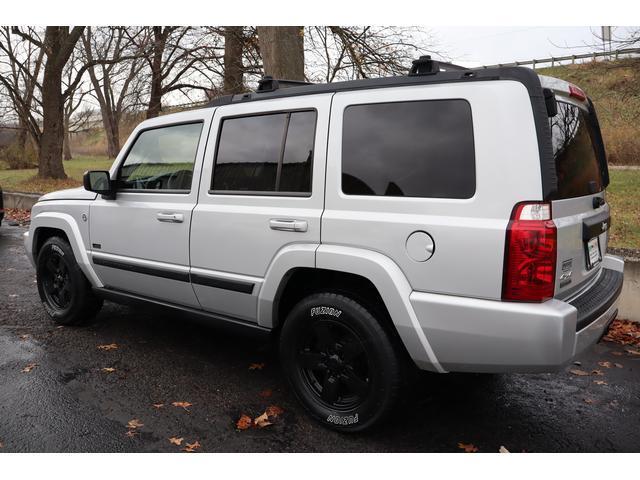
column 99, row 181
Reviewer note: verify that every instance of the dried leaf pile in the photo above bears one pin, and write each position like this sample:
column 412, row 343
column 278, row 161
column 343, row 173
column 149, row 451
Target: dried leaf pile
column 624, row 332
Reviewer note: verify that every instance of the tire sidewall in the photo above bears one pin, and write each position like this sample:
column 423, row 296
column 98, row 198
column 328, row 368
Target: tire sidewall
column 383, row 364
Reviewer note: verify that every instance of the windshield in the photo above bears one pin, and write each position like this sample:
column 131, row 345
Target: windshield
column 574, row 135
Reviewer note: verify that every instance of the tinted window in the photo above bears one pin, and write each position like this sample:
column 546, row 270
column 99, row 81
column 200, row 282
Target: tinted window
column 161, row 159
column 572, row 135
column 413, row 149
column 266, row 153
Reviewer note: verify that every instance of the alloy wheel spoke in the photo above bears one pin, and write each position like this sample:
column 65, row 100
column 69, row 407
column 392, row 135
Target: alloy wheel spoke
column 330, row 389
column 311, row 360
column 354, row 383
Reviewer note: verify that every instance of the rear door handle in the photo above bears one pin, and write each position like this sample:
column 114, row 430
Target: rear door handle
column 170, row 217
column 288, row 225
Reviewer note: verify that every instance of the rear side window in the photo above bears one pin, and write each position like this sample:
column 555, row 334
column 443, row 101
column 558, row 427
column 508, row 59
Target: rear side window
column 412, row 149
column 573, row 139
column 266, row 153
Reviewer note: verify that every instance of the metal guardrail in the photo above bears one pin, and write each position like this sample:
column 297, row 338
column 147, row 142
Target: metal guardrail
column 612, row 55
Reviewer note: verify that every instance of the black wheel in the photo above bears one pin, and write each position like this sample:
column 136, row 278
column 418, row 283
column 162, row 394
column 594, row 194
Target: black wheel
column 340, row 362
column 64, row 290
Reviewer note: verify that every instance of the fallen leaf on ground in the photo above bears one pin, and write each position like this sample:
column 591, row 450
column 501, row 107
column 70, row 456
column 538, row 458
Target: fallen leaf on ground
column 503, row 450
column 632, row 352
column 244, row 422
column 135, row 423
column 619, row 365
column 468, row 447
column 597, row 372
column 266, row 393
column 158, row 405
column 176, row 441
column 108, row 369
column 24, row 336
column 588, row 400
column 605, row 364
column 256, row 366
column 184, row 405
column 577, row 371
column 29, row 367
column 1, row 445
column 262, row 421
column 600, row 382
column 624, row 332
column 617, row 353
column 131, row 433
column 191, row 447
column 110, row 346
column 274, row 411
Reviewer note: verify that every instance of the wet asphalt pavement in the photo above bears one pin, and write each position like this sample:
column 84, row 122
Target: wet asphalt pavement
column 67, row 403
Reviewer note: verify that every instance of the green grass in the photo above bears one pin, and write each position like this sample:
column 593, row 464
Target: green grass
column 623, row 195
column 27, row 180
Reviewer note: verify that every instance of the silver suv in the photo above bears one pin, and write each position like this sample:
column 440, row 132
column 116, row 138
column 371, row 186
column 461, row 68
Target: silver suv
column 451, row 219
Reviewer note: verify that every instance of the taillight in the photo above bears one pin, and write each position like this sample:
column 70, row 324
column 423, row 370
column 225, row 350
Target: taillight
column 530, row 254
column 576, row 92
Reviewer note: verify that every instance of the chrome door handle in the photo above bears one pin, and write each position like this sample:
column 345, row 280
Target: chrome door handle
column 170, row 217
column 288, row 225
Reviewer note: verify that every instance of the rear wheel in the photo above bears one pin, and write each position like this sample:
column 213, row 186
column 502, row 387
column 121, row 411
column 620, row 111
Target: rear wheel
column 340, row 362
column 64, row 290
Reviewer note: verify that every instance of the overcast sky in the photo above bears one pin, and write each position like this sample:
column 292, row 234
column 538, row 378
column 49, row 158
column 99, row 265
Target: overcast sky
column 475, row 46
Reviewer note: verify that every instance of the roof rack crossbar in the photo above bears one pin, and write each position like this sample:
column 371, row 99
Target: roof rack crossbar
column 270, row 84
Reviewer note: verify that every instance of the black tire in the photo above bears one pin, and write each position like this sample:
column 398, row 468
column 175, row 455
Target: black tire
column 340, row 362
column 64, row 290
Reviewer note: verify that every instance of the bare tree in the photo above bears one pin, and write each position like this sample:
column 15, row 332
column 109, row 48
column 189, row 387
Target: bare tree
column 58, row 45
column 20, row 69
column 179, row 59
column 282, row 50
column 352, row 52
column 75, row 117
column 115, row 85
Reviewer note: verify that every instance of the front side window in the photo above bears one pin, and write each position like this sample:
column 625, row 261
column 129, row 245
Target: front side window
column 409, row 149
column 161, row 159
column 265, row 153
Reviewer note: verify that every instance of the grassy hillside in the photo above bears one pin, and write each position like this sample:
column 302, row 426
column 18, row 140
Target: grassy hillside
column 614, row 87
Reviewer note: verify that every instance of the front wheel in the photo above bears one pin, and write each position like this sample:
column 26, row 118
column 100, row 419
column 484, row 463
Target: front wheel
column 64, row 290
column 340, row 362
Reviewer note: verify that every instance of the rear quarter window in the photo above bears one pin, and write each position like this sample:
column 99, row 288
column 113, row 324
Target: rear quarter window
column 573, row 136
column 411, row 149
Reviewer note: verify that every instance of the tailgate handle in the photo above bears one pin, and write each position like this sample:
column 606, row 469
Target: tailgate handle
column 596, row 225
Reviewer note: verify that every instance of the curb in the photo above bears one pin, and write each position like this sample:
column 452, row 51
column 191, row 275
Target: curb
column 21, row 200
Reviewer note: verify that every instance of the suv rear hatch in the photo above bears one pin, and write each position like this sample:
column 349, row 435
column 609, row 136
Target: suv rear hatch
column 579, row 208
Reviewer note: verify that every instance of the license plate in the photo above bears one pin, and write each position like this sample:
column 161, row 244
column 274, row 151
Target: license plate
column 593, row 252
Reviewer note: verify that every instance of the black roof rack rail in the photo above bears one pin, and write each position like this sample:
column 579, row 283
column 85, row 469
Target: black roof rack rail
column 425, row 65
column 270, row 84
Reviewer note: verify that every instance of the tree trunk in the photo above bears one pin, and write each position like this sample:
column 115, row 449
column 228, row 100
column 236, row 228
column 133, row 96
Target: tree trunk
column 21, row 143
column 282, row 50
column 233, row 68
column 155, row 97
column 50, row 156
column 66, row 145
column 112, row 128
column 58, row 44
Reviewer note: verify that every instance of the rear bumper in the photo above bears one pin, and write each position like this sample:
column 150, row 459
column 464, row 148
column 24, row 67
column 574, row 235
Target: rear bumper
column 475, row 335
